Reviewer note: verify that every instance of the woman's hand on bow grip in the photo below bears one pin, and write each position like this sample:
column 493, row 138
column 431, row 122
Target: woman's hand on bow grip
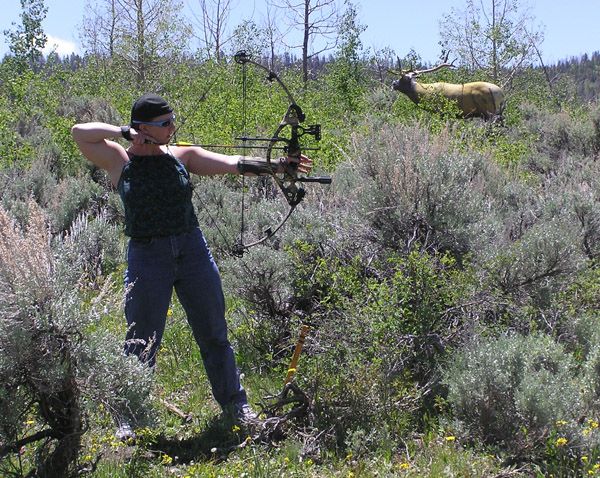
column 302, row 164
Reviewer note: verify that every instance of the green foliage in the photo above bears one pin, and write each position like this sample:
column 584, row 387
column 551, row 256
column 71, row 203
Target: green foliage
column 577, row 321
column 527, row 395
column 446, row 457
column 532, row 87
column 583, row 294
column 346, row 73
column 248, row 36
column 138, row 40
column 376, row 339
column 27, row 40
column 496, row 37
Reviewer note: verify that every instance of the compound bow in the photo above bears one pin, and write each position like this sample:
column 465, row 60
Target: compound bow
column 287, row 179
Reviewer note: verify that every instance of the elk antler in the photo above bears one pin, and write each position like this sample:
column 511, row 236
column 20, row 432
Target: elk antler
column 414, row 73
column 399, row 71
column 435, row 68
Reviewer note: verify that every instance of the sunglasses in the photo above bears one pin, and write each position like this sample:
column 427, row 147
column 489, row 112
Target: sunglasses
column 163, row 123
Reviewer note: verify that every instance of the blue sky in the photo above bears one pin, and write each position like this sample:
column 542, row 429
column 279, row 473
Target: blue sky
column 571, row 28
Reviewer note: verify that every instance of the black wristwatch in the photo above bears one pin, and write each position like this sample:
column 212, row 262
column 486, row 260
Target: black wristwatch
column 126, row 133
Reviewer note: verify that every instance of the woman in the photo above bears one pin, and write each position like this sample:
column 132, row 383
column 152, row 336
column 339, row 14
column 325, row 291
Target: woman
column 166, row 248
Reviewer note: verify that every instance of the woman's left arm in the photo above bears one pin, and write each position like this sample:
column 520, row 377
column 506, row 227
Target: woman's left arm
column 200, row 161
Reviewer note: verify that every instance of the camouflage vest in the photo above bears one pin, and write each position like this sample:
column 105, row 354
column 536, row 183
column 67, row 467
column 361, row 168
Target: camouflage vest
column 157, row 195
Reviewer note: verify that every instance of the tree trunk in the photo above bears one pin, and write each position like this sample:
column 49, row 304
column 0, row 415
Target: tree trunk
column 61, row 411
column 305, row 42
column 140, row 43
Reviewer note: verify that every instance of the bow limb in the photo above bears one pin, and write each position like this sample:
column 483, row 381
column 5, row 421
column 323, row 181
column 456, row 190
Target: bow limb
column 242, row 57
column 239, row 248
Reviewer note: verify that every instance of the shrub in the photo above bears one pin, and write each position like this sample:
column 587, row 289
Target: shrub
column 74, row 195
column 263, row 311
column 415, row 190
column 92, row 247
column 534, row 262
column 379, row 330
column 35, row 181
column 510, row 391
column 54, row 367
column 548, row 228
column 63, row 200
column 567, row 132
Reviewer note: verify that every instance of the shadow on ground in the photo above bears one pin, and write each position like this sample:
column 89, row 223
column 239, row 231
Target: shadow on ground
column 215, row 443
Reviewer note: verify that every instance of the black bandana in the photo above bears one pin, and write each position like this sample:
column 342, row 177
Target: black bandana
column 148, row 107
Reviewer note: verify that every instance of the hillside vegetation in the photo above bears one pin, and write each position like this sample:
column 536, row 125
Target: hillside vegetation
column 449, row 276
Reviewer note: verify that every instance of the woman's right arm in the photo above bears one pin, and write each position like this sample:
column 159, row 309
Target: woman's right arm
column 93, row 141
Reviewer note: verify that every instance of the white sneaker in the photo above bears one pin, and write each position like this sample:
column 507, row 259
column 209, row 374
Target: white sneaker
column 243, row 413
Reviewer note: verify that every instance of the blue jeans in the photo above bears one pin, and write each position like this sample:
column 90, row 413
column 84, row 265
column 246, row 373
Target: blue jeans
column 184, row 262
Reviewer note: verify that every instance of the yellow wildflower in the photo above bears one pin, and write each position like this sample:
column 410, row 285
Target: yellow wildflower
column 562, row 441
column 560, row 423
column 116, row 443
column 169, row 312
column 450, row 438
column 166, row 459
column 235, row 429
column 404, row 466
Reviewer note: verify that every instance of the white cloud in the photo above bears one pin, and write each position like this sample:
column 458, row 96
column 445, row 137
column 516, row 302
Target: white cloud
column 60, row 46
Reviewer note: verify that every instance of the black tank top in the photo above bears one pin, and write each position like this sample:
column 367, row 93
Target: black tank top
column 157, row 195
